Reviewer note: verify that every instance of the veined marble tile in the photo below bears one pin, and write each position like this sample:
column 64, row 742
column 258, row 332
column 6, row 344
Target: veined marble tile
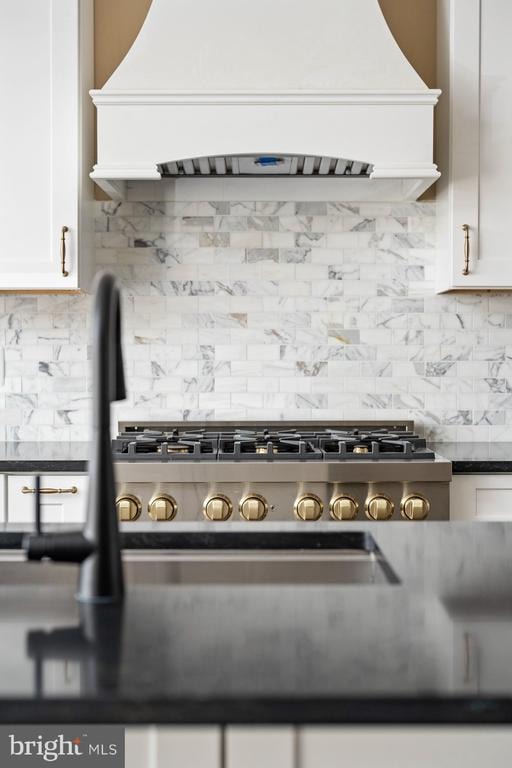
column 261, row 309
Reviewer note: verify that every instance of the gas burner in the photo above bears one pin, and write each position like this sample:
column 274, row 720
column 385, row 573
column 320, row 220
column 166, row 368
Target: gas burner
column 164, row 447
column 375, row 445
column 267, row 447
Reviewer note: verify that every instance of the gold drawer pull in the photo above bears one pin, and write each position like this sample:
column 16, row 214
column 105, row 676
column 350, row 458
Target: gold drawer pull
column 465, row 268
column 73, row 489
column 64, row 271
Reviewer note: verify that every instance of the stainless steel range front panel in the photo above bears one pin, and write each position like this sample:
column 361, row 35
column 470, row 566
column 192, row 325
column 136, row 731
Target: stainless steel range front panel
column 280, row 486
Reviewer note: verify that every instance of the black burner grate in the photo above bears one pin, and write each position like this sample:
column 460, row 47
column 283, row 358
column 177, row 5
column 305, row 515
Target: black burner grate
column 262, row 444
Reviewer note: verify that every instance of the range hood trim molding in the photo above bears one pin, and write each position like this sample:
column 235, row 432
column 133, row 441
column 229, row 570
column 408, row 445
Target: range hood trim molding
column 399, row 152
column 126, row 97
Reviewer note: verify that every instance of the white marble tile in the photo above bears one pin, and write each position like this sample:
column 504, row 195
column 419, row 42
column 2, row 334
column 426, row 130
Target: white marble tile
column 267, row 310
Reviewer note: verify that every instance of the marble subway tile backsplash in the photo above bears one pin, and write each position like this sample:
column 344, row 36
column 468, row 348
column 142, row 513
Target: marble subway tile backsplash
column 239, row 310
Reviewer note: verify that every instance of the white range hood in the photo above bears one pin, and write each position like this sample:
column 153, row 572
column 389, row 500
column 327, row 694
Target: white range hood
column 273, row 92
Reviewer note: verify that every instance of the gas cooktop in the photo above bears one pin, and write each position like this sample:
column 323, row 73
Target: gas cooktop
column 272, row 442
column 277, row 472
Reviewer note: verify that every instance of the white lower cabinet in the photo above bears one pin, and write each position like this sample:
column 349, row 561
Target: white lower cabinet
column 3, row 498
column 63, row 498
column 318, row 747
column 257, row 746
column 404, row 747
column 483, row 498
column 174, row 747
column 478, row 644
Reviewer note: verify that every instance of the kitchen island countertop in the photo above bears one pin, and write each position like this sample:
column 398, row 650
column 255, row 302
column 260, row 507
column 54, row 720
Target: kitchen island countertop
column 183, row 652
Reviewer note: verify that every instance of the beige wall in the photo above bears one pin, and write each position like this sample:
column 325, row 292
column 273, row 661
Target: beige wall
column 116, row 24
column 413, row 23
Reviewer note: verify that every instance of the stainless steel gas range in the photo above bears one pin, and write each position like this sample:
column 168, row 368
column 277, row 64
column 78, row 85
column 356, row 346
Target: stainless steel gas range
column 219, row 473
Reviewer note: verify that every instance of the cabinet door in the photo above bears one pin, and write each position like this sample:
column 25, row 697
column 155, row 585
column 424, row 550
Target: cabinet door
column 160, row 747
column 480, row 645
column 404, row 747
column 42, row 55
column 484, row 498
column 68, row 506
column 475, row 152
column 3, row 498
column 256, row 746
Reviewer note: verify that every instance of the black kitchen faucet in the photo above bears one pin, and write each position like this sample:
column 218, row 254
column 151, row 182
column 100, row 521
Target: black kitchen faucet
column 97, row 547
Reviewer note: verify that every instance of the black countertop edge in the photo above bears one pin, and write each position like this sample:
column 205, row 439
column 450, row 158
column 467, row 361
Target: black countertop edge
column 474, row 467
column 224, row 540
column 55, row 466
column 13, row 466
column 407, row 710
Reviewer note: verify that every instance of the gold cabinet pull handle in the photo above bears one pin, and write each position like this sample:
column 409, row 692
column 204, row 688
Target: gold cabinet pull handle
column 64, row 271
column 73, row 489
column 465, row 268
column 467, row 658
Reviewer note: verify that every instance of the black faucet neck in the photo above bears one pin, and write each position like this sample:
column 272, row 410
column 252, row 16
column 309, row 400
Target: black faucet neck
column 101, row 577
column 98, row 548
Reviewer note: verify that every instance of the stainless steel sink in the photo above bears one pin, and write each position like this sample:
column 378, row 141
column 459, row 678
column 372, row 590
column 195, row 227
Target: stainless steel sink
column 261, row 567
column 358, row 561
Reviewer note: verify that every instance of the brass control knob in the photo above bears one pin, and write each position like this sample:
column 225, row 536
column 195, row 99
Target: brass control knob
column 128, row 507
column 162, row 507
column 379, row 507
column 343, row 508
column 414, row 507
column 308, row 507
column 217, row 508
column 253, row 507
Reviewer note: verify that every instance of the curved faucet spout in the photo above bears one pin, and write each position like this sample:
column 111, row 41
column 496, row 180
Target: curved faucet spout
column 101, row 577
column 98, row 548
column 108, row 381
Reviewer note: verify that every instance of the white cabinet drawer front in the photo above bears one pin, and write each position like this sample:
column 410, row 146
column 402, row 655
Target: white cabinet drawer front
column 3, row 498
column 494, row 503
column 138, row 747
column 65, row 507
column 405, row 747
column 255, row 747
column 163, row 747
column 483, row 498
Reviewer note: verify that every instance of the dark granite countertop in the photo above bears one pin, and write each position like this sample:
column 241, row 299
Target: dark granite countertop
column 72, row 457
column 236, row 652
column 475, row 458
column 43, row 457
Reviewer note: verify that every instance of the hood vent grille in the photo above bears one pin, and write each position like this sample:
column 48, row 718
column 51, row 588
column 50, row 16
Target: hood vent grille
column 266, row 166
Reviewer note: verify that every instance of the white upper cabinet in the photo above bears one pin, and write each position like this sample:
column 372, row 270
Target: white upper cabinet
column 474, row 147
column 46, row 131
